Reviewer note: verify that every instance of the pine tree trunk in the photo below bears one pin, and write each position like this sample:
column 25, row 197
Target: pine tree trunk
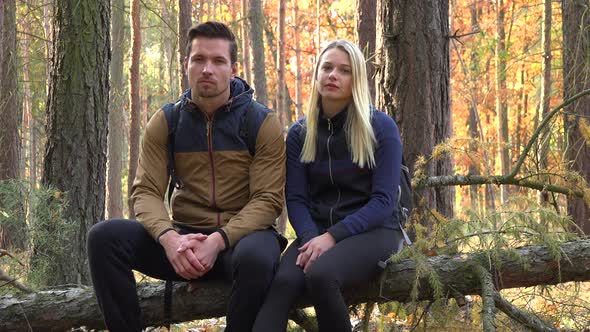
column 414, row 83
column 169, row 44
column 366, row 34
column 135, row 102
column 116, row 135
column 298, row 79
column 545, row 90
column 77, row 116
column 500, row 96
column 10, row 110
column 576, row 73
column 245, row 43
column 11, row 115
column 184, row 24
column 281, row 61
column 257, row 42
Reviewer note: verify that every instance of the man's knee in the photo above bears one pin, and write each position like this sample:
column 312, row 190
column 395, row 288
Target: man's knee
column 102, row 234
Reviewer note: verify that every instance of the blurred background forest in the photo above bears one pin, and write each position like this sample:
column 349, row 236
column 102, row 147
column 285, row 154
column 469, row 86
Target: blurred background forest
column 476, row 86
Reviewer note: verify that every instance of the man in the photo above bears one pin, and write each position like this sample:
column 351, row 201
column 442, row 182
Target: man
column 222, row 215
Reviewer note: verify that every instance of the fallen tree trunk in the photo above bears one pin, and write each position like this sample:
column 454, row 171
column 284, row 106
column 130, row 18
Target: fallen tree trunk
column 58, row 310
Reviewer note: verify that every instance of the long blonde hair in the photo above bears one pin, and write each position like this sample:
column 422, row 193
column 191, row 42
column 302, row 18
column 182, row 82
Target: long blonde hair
column 359, row 131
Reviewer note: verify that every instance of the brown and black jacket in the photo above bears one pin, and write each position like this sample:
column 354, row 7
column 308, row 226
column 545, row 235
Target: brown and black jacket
column 225, row 187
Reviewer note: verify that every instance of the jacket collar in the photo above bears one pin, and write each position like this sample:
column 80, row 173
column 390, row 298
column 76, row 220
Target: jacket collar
column 241, row 95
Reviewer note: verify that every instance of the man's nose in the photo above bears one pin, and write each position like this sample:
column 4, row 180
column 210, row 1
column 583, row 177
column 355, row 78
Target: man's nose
column 207, row 67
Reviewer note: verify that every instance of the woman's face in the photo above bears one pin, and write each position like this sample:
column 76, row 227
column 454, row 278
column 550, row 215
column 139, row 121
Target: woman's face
column 335, row 76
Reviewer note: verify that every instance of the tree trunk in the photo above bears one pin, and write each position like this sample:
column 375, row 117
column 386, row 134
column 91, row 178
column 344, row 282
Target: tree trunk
column 135, row 102
column 545, row 92
column 576, row 73
column 170, row 34
column 500, row 96
column 473, row 114
column 10, row 110
column 184, row 24
column 245, row 43
column 281, row 62
column 414, row 83
column 116, row 136
column 298, row 79
column 257, row 42
column 11, row 235
column 366, row 34
column 77, row 116
column 62, row 309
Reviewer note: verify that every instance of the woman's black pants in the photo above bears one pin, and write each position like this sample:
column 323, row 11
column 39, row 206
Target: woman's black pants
column 351, row 262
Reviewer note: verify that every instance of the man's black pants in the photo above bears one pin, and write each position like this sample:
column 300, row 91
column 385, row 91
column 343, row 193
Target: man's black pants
column 116, row 247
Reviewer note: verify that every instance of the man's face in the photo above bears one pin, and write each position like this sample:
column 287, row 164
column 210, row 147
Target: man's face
column 209, row 67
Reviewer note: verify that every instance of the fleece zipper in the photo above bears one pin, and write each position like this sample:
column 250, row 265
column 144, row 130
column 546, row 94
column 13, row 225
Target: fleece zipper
column 210, row 120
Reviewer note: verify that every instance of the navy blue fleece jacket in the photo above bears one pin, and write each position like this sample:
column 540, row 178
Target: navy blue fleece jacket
column 332, row 193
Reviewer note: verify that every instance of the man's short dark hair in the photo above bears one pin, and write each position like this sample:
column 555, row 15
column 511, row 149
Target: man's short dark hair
column 213, row 30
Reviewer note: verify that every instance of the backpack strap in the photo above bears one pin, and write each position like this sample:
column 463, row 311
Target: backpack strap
column 172, row 113
column 250, row 126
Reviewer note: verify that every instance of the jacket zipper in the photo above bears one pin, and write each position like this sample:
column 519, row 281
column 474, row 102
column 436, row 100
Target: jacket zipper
column 330, row 170
column 210, row 150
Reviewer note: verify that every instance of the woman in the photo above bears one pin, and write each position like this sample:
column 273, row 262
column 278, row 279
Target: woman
column 343, row 168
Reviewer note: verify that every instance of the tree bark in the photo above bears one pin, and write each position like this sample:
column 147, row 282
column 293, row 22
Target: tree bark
column 298, row 79
column 135, row 102
column 414, row 76
column 545, row 91
column 245, row 43
column 184, row 24
column 61, row 309
column 77, row 116
column 11, row 234
column 500, row 97
column 366, row 36
column 10, row 110
column 281, row 64
column 116, row 136
column 257, row 42
column 576, row 73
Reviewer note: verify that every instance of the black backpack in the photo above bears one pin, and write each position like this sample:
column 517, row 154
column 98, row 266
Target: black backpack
column 248, row 132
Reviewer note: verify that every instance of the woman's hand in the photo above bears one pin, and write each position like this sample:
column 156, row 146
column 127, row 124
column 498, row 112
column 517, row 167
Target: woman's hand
column 313, row 249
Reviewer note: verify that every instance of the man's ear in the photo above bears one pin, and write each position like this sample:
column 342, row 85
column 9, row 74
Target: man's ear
column 234, row 70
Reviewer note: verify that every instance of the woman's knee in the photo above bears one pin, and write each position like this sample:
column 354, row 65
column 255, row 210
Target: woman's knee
column 319, row 278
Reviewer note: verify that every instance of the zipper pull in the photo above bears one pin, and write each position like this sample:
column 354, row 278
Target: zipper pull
column 208, row 127
column 330, row 125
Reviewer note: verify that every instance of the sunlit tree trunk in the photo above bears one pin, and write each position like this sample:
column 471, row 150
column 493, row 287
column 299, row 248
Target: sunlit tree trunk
column 365, row 28
column 114, row 194
column 245, row 43
column 501, row 112
column 11, row 115
column 298, row 79
column 184, row 24
column 257, row 42
column 281, row 62
column 135, row 102
column 169, row 42
column 576, row 73
column 77, row 116
column 545, row 90
column 414, row 83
